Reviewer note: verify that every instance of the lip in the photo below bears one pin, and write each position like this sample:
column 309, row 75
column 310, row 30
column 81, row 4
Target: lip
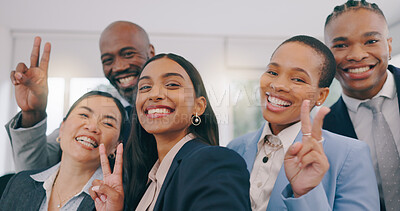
column 87, row 144
column 158, row 114
column 358, row 73
column 274, row 107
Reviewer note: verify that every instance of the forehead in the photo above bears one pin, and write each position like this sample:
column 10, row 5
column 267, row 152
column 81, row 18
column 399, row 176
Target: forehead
column 294, row 55
column 121, row 37
column 100, row 104
column 160, row 67
column 356, row 22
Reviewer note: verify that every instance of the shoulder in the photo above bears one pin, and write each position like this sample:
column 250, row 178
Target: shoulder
column 238, row 144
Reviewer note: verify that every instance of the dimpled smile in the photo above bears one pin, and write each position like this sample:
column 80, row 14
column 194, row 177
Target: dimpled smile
column 127, row 80
column 358, row 70
column 87, row 141
column 278, row 102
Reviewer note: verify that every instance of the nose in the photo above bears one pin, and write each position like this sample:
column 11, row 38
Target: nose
column 356, row 53
column 92, row 126
column 120, row 64
column 157, row 93
column 279, row 85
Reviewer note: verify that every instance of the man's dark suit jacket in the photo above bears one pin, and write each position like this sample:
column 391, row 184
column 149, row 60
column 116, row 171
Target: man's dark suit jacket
column 24, row 193
column 203, row 177
column 338, row 120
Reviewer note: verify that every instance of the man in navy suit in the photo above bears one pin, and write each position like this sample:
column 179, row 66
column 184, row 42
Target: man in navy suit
column 358, row 36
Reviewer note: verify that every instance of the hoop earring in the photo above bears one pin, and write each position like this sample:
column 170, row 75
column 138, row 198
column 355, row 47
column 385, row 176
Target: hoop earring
column 390, row 57
column 112, row 155
column 58, row 139
column 196, row 120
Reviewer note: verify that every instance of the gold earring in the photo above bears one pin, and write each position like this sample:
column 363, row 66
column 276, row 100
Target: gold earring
column 112, row 155
column 58, row 139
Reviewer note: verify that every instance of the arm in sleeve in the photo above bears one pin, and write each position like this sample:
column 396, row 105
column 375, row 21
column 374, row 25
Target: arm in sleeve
column 215, row 178
column 31, row 148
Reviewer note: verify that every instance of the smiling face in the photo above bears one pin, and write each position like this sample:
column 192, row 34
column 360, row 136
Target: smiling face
column 359, row 41
column 93, row 121
column 166, row 99
column 124, row 50
column 291, row 77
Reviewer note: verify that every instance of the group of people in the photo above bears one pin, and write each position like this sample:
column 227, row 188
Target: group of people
column 162, row 153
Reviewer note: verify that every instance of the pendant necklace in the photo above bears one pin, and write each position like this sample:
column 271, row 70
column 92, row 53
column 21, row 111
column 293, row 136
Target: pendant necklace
column 59, row 205
column 275, row 147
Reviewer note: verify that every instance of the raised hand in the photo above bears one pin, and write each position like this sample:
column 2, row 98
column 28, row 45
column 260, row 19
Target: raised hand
column 31, row 89
column 109, row 193
column 305, row 162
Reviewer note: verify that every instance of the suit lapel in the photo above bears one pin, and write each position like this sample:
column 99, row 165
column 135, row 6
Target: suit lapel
column 251, row 149
column 342, row 122
column 185, row 150
column 396, row 74
column 86, row 204
column 36, row 196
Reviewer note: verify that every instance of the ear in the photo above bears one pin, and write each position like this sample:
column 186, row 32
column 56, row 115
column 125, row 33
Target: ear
column 323, row 94
column 151, row 53
column 389, row 41
column 61, row 129
column 200, row 105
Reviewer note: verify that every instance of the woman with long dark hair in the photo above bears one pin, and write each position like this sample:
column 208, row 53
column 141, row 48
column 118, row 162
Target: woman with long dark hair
column 172, row 160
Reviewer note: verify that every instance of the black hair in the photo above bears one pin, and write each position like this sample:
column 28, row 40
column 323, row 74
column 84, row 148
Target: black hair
column 328, row 69
column 353, row 5
column 125, row 126
column 141, row 149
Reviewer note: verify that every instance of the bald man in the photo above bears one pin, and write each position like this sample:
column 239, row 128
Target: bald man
column 124, row 47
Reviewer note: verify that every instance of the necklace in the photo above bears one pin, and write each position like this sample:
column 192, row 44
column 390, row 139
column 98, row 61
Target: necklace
column 275, row 147
column 59, row 205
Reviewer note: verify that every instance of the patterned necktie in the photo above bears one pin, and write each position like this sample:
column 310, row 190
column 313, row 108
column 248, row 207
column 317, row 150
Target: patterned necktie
column 387, row 155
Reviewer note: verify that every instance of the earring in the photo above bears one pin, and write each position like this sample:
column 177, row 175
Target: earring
column 318, row 103
column 112, row 155
column 58, row 139
column 196, row 120
column 390, row 57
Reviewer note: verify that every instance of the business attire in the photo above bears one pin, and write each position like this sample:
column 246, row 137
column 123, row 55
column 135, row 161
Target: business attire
column 342, row 188
column 349, row 117
column 199, row 177
column 31, row 190
column 32, row 149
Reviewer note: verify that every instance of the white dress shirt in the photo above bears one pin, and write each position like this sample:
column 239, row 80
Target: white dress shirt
column 362, row 117
column 157, row 176
column 263, row 175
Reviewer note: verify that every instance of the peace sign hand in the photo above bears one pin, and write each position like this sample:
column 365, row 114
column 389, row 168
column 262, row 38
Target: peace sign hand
column 31, row 89
column 305, row 162
column 109, row 193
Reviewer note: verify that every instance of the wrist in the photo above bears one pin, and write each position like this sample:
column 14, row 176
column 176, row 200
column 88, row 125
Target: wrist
column 31, row 118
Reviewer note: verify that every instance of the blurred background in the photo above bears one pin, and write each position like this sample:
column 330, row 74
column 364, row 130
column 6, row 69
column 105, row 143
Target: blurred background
column 229, row 42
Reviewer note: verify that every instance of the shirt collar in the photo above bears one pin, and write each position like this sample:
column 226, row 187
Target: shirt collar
column 388, row 90
column 286, row 136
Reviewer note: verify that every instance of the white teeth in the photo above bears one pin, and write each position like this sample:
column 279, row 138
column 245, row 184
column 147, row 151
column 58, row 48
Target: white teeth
column 86, row 141
column 278, row 102
column 159, row 111
column 358, row 70
column 126, row 80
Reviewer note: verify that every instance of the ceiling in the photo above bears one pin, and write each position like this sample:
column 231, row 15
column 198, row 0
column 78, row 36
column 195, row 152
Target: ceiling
column 256, row 18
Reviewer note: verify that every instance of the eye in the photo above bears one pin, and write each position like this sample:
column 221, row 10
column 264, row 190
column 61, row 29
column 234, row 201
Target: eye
column 271, row 72
column 144, row 87
column 108, row 124
column 172, row 85
column 84, row 115
column 339, row 46
column 107, row 61
column 371, row 42
column 299, row 80
column 128, row 54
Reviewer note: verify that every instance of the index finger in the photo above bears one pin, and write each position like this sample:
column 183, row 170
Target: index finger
column 305, row 117
column 35, row 52
column 118, row 160
column 318, row 122
column 105, row 165
column 44, row 62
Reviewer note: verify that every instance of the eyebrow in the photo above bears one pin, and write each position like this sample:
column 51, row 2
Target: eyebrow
column 367, row 34
column 166, row 75
column 298, row 69
column 105, row 116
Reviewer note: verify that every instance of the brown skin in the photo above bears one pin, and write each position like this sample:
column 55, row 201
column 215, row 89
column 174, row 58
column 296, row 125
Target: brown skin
column 124, row 49
column 359, row 39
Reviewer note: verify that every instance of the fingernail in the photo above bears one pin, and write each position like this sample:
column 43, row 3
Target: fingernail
column 103, row 198
column 98, row 200
column 18, row 75
column 95, row 188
